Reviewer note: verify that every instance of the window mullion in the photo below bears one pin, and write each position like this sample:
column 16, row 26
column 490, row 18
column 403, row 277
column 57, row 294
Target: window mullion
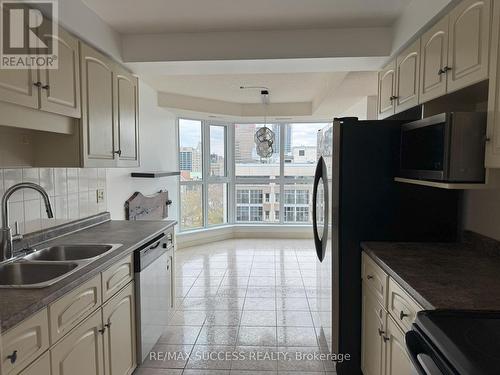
column 282, row 173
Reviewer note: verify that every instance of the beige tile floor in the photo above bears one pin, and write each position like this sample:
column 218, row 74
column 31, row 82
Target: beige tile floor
column 247, row 302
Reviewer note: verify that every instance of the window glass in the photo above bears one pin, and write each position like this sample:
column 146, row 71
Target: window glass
column 217, row 151
column 251, row 206
column 248, row 164
column 301, row 148
column 217, row 204
column 298, row 203
column 190, row 150
column 191, row 206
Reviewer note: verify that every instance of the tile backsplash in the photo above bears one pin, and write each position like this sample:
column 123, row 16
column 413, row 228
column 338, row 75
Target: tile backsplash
column 72, row 191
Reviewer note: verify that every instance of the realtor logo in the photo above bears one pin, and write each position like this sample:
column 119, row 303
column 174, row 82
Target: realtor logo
column 29, row 34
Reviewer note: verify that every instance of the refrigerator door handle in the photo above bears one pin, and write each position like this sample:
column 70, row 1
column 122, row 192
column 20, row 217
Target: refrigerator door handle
column 320, row 175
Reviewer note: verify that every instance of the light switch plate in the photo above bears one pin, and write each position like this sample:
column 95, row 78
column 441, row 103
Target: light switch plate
column 100, row 195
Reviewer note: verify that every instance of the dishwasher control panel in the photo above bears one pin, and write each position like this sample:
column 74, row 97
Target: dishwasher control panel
column 153, row 249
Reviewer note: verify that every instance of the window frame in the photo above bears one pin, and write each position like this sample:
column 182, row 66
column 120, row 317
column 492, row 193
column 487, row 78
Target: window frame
column 232, row 180
column 207, row 179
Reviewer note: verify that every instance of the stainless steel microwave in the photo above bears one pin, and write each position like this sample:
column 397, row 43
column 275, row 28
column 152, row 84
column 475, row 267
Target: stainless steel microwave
column 445, row 147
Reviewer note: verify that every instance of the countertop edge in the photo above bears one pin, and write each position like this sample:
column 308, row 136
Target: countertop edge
column 407, row 287
column 15, row 319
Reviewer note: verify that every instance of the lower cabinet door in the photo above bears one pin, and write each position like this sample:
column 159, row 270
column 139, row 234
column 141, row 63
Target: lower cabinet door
column 81, row 351
column 373, row 323
column 397, row 361
column 40, row 367
column 119, row 335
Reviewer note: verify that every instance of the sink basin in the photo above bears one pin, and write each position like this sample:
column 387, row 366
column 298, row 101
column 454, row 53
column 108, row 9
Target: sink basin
column 64, row 253
column 33, row 275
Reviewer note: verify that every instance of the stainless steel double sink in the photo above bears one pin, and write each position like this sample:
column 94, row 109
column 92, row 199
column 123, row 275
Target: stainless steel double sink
column 44, row 267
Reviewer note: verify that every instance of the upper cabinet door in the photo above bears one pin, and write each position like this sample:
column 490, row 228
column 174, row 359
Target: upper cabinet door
column 469, row 43
column 19, row 86
column 127, row 118
column 386, row 84
column 60, row 88
column 433, row 59
column 407, row 77
column 97, row 108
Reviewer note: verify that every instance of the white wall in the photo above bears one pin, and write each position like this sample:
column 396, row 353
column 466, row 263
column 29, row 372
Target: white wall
column 481, row 212
column 158, row 151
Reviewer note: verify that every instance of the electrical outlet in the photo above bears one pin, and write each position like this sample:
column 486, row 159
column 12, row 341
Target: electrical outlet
column 100, row 195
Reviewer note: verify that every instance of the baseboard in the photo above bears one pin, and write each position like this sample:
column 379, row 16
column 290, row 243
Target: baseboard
column 200, row 237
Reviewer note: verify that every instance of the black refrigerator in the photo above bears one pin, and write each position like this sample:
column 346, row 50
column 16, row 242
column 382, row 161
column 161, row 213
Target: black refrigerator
column 355, row 199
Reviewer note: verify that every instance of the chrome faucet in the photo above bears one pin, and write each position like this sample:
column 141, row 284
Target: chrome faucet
column 6, row 245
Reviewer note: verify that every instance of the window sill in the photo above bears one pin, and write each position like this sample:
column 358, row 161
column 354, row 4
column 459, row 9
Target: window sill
column 223, row 232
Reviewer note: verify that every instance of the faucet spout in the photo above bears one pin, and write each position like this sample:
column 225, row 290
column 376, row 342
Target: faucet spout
column 6, row 245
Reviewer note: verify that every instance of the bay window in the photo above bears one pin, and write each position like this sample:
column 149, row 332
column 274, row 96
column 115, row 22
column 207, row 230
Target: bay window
column 224, row 180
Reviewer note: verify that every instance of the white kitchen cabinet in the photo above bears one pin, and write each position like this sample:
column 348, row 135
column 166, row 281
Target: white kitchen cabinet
column 127, row 118
column 407, row 77
column 98, row 123
column 81, row 352
column 386, row 89
column 492, row 159
column 433, row 58
column 469, row 42
column 373, row 327
column 51, row 90
column 60, row 88
column 40, row 367
column 120, row 335
column 397, row 361
column 73, row 307
column 17, row 86
column 24, row 343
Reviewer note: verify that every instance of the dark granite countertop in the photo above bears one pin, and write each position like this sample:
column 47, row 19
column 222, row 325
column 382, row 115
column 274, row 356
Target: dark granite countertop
column 18, row 304
column 463, row 275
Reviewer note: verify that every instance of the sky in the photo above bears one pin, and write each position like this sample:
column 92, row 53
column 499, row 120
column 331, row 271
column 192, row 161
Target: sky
column 303, row 134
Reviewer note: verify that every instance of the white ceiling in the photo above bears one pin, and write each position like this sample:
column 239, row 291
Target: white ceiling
column 284, row 88
column 160, row 16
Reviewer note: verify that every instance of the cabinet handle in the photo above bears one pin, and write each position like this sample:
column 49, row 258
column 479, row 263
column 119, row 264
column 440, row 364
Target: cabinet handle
column 393, row 98
column 444, row 70
column 37, row 84
column 402, row 315
column 380, row 332
column 118, row 152
column 13, row 357
column 108, row 325
column 45, row 87
column 369, row 277
column 386, row 338
column 102, row 330
column 487, row 139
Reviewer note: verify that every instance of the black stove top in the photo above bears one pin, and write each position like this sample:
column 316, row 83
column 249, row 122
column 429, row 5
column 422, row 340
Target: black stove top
column 469, row 341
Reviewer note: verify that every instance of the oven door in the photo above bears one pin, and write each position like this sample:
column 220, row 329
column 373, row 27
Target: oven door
column 424, row 358
column 425, row 148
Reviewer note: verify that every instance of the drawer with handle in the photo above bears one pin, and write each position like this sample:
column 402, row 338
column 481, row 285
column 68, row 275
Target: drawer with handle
column 117, row 276
column 401, row 306
column 375, row 279
column 25, row 342
column 74, row 307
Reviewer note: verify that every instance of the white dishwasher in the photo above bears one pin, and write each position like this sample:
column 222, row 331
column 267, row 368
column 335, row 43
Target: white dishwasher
column 154, row 290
